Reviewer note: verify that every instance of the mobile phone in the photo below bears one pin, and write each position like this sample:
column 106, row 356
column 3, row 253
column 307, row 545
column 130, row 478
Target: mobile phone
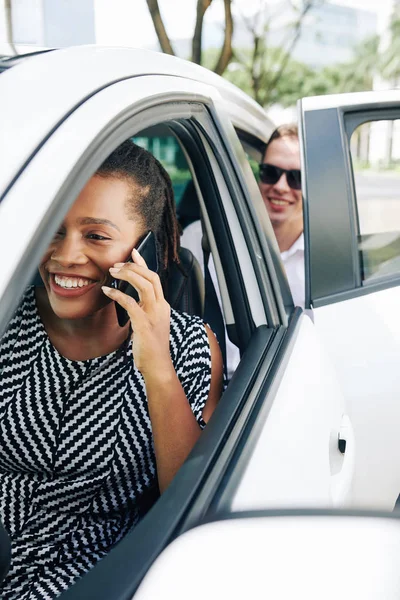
column 148, row 250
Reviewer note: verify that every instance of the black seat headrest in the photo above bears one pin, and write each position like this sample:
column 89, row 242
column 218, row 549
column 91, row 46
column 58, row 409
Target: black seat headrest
column 186, row 285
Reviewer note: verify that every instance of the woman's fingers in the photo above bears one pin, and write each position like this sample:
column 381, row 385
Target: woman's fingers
column 150, row 275
column 142, row 271
column 143, row 285
column 128, row 303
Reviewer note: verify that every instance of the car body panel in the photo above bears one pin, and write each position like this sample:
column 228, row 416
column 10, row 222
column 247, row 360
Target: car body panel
column 280, row 556
column 358, row 321
column 45, row 80
column 289, row 472
column 368, row 371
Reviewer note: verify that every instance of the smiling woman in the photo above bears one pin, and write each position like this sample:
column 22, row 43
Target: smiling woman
column 105, row 414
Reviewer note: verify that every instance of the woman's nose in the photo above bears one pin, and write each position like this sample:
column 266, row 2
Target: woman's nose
column 68, row 252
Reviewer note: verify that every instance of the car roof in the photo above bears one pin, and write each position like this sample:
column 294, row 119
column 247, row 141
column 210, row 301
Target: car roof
column 7, row 61
column 38, row 92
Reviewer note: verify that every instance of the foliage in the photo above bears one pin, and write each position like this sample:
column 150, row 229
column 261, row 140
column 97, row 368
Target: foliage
column 291, row 84
column 270, row 74
column 390, row 59
column 225, row 52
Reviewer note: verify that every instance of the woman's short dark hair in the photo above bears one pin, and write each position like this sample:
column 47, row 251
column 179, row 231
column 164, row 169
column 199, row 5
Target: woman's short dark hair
column 152, row 197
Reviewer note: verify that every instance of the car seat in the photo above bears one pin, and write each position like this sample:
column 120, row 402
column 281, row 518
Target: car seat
column 186, row 285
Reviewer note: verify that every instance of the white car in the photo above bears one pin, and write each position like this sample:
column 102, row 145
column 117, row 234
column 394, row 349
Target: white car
column 309, row 423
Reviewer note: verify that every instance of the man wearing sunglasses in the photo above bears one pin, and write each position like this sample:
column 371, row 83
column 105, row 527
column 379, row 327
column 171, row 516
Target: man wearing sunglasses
column 280, row 186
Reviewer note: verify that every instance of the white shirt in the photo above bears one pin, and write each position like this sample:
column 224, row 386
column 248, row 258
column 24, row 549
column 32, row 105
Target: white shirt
column 293, row 260
column 191, row 239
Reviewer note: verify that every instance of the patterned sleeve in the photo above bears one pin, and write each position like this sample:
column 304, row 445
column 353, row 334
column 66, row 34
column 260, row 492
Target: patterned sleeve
column 193, row 366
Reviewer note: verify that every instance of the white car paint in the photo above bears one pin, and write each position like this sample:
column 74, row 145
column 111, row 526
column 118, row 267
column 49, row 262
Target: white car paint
column 45, row 81
column 367, row 365
column 280, row 557
column 296, row 461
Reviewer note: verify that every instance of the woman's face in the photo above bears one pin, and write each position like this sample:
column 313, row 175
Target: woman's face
column 95, row 234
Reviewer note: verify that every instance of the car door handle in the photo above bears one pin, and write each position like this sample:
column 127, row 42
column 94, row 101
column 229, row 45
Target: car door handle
column 341, row 482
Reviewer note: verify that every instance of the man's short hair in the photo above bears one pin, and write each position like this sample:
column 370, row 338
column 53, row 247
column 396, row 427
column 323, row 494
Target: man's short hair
column 286, row 130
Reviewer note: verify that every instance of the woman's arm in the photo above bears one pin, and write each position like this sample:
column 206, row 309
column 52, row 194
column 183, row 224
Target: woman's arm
column 175, row 429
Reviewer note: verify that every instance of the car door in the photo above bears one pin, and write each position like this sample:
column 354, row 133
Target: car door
column 350, row 154
column 273, row 440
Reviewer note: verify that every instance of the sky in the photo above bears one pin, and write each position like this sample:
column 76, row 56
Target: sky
column 135, row 28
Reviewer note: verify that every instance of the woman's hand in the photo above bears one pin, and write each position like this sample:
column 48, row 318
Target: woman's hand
column 150, row 317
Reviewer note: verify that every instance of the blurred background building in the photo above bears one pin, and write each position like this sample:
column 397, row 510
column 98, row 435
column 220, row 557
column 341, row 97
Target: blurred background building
column 50, row 23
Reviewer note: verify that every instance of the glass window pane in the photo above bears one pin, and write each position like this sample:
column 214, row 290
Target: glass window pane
column 168, row 151
column 375, row 151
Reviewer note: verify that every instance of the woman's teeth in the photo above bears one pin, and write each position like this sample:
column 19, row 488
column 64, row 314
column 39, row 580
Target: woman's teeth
column 71, row 282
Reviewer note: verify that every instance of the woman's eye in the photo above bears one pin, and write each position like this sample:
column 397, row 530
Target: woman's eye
column 97, row 236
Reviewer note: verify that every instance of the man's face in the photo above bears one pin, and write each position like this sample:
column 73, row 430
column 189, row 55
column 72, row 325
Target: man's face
column 284, row 204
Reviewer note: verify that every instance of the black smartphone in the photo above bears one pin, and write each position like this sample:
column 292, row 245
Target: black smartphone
column 148, row 250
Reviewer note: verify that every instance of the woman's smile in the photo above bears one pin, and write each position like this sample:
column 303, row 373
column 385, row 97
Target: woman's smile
column 68, row 286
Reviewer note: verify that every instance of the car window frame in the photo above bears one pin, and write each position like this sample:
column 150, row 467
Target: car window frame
column 331, row 171
column 255, row 148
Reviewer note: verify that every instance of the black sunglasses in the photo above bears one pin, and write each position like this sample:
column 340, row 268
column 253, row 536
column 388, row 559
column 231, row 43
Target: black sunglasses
column 271, row 174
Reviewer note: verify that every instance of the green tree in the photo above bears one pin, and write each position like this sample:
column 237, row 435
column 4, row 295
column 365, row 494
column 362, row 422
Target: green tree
column 356, row 75
column 293, row 81
column 265, row 69
column 390, row 62
column 391, row 56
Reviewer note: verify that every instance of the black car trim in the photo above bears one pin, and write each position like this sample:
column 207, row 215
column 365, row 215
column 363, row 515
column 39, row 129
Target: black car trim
column 300, row 512
column 255, row 423
column 279, row 275
column 332, row 257
column 329, row 249
column 188, row 134
column 369, row 287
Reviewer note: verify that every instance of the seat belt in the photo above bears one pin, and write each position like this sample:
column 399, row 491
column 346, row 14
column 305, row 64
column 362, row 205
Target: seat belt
column 212, row 309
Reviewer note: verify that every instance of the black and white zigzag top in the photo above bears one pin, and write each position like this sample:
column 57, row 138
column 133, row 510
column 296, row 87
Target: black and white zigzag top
column 77, row 465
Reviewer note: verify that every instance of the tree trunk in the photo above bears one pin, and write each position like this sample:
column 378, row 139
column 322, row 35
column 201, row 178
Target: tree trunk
column 255, row 67
column 226, row 51
column 9, row 28
column 202, row 6
column 158, row 23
